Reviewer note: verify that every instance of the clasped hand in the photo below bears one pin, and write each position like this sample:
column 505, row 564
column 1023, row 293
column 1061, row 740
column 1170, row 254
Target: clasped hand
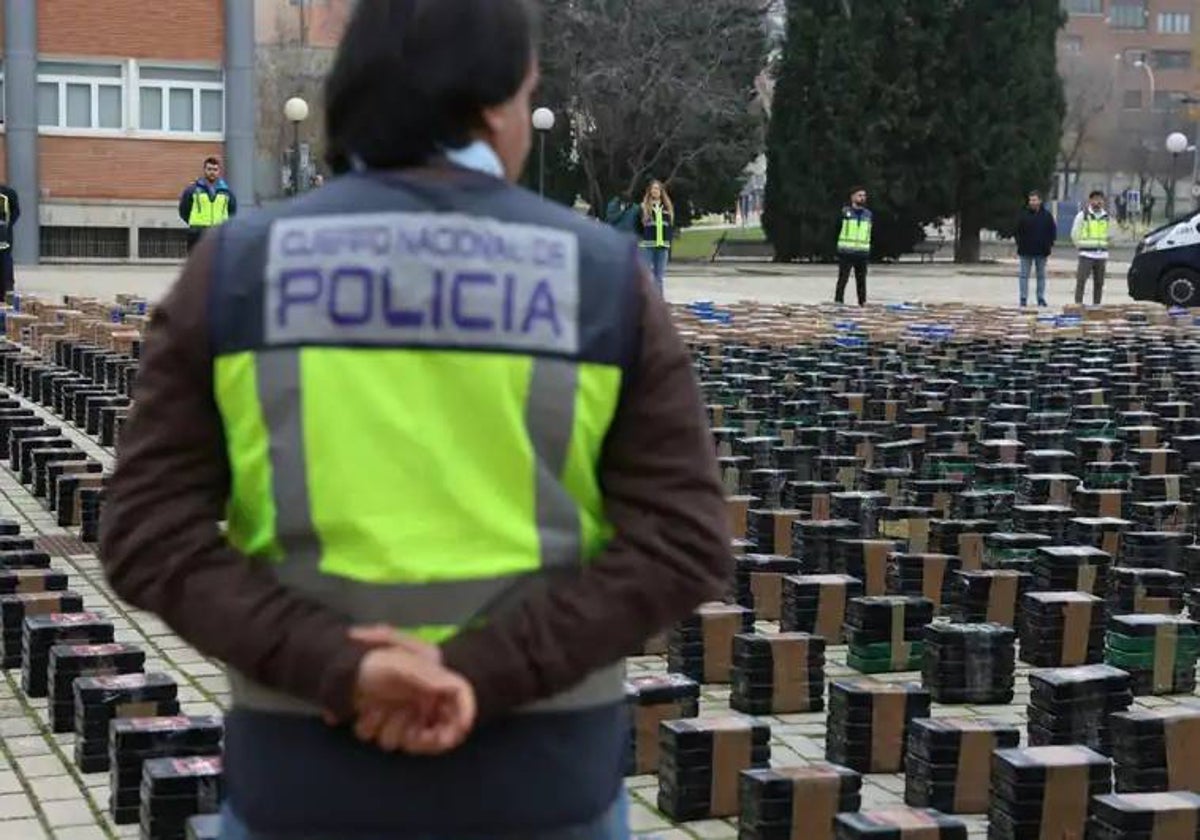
column 405, row 700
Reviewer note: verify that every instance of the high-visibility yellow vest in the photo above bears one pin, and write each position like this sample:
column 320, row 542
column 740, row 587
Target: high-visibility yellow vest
column 659, row 225
column 1094, row 234
column 208, row 211
column 414, row 407
column 855, row 236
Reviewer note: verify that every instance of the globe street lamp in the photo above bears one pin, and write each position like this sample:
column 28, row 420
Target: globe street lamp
column 543, row 122
column 296, row 112
column 1177, row 144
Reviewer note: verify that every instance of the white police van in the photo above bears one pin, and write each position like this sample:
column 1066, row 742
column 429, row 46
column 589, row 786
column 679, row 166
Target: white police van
column 1166, row 265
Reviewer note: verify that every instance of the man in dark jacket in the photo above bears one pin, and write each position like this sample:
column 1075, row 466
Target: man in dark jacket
column 1036, row 233
column 10, row 211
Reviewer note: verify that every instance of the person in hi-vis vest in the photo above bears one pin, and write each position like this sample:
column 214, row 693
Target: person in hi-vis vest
column 1090, row 233
column 206, row 203
column 421, row 457
column 10, row 211
column 854, row 246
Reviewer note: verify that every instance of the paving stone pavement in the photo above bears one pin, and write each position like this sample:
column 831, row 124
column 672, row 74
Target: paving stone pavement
column 44, row 797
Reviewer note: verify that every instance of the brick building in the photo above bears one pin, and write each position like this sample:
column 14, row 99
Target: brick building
column 107, row 111
column 1136, row 62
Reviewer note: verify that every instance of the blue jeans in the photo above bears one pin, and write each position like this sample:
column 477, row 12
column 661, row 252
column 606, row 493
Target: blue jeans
column 1039, row 264
column 611, row 825
column 656, row 260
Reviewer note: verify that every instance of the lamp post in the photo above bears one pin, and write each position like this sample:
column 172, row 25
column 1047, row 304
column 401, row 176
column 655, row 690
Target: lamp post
column 1149, row 73
column 543, row 122
column 296, row 112
column 1177, row 144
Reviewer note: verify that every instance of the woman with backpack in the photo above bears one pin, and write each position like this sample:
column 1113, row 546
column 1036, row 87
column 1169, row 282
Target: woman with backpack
column 658, row 229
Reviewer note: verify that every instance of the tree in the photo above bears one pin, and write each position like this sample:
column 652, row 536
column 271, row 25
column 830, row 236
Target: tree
column 857, row 101
column 1088, row 84
column 654, row 89
column 1007, row 104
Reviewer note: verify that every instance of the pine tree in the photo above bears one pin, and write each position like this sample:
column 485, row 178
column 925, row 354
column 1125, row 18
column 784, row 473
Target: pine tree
column 1008, row 107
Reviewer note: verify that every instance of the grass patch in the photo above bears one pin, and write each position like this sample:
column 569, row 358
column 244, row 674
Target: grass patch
column 698, row 244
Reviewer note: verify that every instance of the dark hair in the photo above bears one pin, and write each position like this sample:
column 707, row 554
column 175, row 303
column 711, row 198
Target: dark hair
column 857, row 189
column 1032, row 193
column 413, row 76
column 1095, row 193
column 209, row 160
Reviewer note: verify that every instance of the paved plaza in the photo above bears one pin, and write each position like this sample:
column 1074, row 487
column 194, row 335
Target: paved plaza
column 42, row 794
column 941, row 282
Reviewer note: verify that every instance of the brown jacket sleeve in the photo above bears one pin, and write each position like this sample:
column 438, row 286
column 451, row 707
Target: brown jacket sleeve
column 671, row 551
column 160, row 543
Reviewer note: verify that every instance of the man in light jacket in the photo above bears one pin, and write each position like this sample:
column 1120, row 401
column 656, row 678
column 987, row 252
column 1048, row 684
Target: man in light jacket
column 1090, row 235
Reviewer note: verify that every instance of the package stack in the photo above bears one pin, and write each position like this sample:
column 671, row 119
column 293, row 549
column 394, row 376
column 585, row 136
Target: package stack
column 1072, row 705
column 928, row 575
column 1101, row 502
column 1146, row 591
column 1043, row 519
column 811, row 498
column 135, row 740
column 101, row 700
column 861, row 506
column 962, row 538
column 1155, row 549
column 869, row 722
column 817, row 604
column 1060, row 629
column 701, row 646
column 1072, row 568
column 1044, row 792
column 759, row 582
column 969, row 663
column 815, row 542
column 1005, row 477
column 1145, row 816
column 769, row 531
column 948, row 765
column 767, row 485
column 1158, row 461
column 1094, row 448
column 18, row 581
column 1113, row 475
column 1104, row 533
column 908, row 524
column 886, row 480
column 69, row 662
column 989, row 595
column 886, row 632
column 990, row 505
column 789, row 802
column 934, row 493
column 42, row 632
column 1158, row 651
column 651, row 700
column 866, row 560
column 781, row 673
column 1155, row 749
column 176, row 789
column 897, row 823
column 14, row 608
column 699, row 763
column 1191, row 564
column 1008, row 550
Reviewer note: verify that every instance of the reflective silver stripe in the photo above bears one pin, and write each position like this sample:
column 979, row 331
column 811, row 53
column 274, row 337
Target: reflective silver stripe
column 550, row 419
column 549, row 413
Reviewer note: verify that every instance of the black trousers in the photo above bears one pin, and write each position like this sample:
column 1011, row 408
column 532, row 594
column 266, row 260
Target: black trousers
column 859, row 264
column 193, row 236
column 7, row 282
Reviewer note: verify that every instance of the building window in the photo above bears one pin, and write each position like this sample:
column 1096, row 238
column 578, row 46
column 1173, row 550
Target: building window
column 1172, row 60
column 181, row 100
column 1175, row 23
column 1072, row 44
column 1132, row 57
column 1132, row 100
column 1083, row 7
column 1126, row 15
column 80, row 96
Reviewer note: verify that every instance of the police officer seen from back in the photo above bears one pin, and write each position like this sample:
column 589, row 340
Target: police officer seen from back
column 206, row 203
column 854, row 246
column 461, row 453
